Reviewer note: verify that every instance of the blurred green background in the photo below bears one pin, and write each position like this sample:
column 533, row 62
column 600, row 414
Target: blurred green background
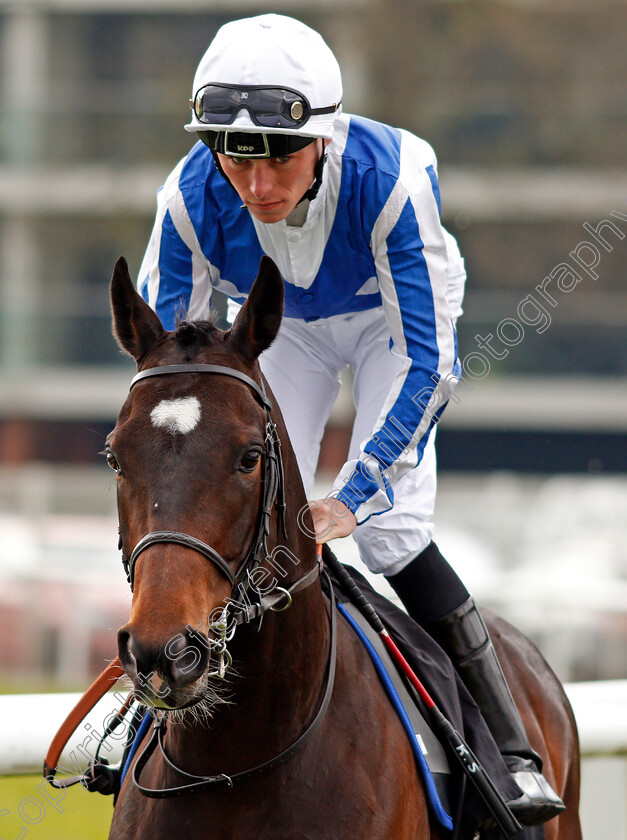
column 89, row 815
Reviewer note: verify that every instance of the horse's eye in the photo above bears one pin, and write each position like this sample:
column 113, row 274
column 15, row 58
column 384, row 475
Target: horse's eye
column 112, row 462
column 250, row 460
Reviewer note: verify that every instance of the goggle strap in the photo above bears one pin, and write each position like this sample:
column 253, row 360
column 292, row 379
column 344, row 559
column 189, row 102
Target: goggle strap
column 328, row 110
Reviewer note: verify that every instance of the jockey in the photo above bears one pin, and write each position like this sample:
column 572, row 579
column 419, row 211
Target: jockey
column 348, row 209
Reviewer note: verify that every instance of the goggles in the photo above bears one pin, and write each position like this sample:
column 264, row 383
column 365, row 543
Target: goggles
column 269, row 107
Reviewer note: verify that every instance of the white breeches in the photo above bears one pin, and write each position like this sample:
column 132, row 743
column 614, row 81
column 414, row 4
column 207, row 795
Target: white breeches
column 302, row 367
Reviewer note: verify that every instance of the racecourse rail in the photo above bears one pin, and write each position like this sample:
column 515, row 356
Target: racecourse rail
column 28, row 723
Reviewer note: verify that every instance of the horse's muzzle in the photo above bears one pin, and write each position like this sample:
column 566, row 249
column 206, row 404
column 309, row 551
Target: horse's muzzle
column 165, row 676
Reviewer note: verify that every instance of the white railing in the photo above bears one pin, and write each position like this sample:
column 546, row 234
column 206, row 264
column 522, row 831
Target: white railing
column 28, row 723
column 601, row 712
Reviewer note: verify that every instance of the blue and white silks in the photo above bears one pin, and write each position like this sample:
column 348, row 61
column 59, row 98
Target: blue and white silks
column 372, row 239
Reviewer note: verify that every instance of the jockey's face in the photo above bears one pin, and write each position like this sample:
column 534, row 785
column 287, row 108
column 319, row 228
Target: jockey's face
column 272, row 187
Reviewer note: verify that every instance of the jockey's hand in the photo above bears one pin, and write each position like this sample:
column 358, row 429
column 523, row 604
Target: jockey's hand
column 331, row 519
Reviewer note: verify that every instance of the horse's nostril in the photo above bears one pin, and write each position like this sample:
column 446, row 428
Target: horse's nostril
column 186, row 657
column 139, row 658
column 124, row 652
column 181, row 661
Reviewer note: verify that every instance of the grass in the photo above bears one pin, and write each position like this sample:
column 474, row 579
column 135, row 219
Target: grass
column 32, row 810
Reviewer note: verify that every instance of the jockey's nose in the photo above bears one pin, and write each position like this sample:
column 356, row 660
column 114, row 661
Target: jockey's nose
column 178, row 662
column 261, row 179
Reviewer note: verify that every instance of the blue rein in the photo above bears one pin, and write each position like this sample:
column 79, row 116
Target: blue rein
column 143, row 728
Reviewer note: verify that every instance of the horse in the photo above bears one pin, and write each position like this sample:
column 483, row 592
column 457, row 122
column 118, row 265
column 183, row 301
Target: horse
column 270, row 721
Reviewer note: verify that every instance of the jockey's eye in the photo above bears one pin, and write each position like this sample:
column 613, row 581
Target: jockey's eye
column 250, row 460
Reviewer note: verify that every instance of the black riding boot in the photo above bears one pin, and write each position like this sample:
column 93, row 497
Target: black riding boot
column 428, row 587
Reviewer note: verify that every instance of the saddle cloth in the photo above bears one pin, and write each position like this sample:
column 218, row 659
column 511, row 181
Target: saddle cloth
column 436, row 672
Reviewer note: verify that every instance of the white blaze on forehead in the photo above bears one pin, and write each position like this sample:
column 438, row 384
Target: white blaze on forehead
column 181, row 415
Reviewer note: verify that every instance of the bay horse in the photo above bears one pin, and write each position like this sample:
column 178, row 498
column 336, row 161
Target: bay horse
column 277, row 725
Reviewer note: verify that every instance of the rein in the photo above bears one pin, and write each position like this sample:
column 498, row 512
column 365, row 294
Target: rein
column 222, row 779
column 94, row 693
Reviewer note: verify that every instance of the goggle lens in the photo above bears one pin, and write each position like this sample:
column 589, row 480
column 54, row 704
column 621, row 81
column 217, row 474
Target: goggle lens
column 269, row 107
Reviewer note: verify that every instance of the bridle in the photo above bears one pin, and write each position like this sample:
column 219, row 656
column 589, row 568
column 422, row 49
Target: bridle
column 273, row 484
column 276, row 600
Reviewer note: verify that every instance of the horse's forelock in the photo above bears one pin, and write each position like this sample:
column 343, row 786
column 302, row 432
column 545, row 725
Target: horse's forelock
column 188, row 333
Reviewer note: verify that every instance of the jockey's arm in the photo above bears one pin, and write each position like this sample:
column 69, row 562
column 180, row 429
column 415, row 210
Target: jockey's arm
column 415, row 261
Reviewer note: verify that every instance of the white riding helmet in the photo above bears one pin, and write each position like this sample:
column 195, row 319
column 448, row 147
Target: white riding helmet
column 266, row 75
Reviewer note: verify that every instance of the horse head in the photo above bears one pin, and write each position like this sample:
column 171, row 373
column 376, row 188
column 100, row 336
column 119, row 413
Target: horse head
column 196, row 459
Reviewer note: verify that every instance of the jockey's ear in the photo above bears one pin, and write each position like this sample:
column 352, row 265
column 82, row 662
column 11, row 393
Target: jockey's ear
column 135, row 326
column 259, row 319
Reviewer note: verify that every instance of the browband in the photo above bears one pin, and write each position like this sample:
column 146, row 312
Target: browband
column 163, row 370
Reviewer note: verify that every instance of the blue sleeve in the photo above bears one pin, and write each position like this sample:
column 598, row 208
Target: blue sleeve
column 411, row 259
column 174, row 276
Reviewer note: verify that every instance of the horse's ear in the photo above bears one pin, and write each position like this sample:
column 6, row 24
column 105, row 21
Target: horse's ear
column 135, row 325
column 259, row 319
